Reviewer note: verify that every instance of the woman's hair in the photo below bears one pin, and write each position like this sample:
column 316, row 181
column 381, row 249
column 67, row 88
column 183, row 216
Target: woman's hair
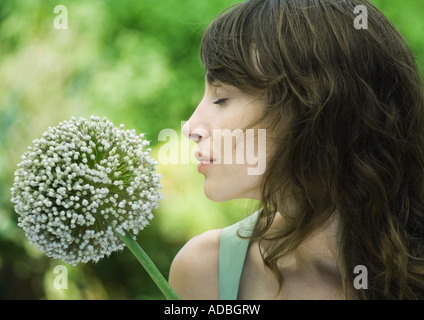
column 354, row 141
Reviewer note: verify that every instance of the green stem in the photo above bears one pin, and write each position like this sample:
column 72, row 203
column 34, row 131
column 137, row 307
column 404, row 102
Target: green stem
column 148, row 264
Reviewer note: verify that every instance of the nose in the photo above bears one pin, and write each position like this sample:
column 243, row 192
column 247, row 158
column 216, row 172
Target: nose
column 189, row 133
column 196, row 127
column 195, row 133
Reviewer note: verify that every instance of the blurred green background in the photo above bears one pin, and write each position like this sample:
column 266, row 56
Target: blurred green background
column 135, row 62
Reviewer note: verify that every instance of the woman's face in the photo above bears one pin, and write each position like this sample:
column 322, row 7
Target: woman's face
column 232, row 153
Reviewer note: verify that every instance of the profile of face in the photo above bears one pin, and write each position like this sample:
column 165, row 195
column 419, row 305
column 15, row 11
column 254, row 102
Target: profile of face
column 231, row 151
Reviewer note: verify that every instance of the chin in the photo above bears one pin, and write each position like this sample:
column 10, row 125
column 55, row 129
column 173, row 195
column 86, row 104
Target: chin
column 217, row 196
column 221, row 193
column 216, row 192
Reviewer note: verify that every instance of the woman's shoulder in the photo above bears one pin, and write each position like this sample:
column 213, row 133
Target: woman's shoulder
column 194, row 270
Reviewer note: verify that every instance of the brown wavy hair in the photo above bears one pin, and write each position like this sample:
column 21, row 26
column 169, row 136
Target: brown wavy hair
column 355, row 138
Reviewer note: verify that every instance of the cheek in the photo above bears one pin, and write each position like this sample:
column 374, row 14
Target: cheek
column 232, row 146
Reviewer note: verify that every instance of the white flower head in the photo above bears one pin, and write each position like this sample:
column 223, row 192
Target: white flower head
column 79, row 182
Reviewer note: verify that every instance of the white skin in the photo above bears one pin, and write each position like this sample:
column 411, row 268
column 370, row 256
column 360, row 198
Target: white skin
column 224, row 110
column 310, row 272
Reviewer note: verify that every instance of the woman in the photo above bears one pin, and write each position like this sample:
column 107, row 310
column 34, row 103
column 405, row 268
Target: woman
column 343, row 110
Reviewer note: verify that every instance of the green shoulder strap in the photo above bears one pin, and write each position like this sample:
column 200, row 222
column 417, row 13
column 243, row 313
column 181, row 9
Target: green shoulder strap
column 232, row 253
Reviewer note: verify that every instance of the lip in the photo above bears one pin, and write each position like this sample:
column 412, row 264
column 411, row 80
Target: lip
column 203, row 165
column 204, row 162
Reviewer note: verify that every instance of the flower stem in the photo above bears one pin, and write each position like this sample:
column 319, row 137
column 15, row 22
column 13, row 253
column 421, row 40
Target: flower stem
column 148, row 265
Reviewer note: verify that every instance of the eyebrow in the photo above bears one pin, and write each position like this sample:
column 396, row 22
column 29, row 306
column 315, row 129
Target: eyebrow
column 217, row 84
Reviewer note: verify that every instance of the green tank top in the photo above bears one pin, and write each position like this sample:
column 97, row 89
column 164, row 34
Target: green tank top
column 232, row 254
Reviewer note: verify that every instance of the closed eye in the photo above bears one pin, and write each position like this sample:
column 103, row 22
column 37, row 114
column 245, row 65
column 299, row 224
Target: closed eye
column 220, row 101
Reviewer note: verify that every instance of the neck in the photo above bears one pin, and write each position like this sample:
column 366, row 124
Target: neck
column 316, row 256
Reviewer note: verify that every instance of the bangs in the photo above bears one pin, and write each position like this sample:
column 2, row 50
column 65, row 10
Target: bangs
column 227, row 49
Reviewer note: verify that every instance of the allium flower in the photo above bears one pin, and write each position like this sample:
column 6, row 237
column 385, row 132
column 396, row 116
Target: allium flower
column 81, row 186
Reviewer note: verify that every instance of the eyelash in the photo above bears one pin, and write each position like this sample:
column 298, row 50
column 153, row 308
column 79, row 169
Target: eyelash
column 220, row 101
